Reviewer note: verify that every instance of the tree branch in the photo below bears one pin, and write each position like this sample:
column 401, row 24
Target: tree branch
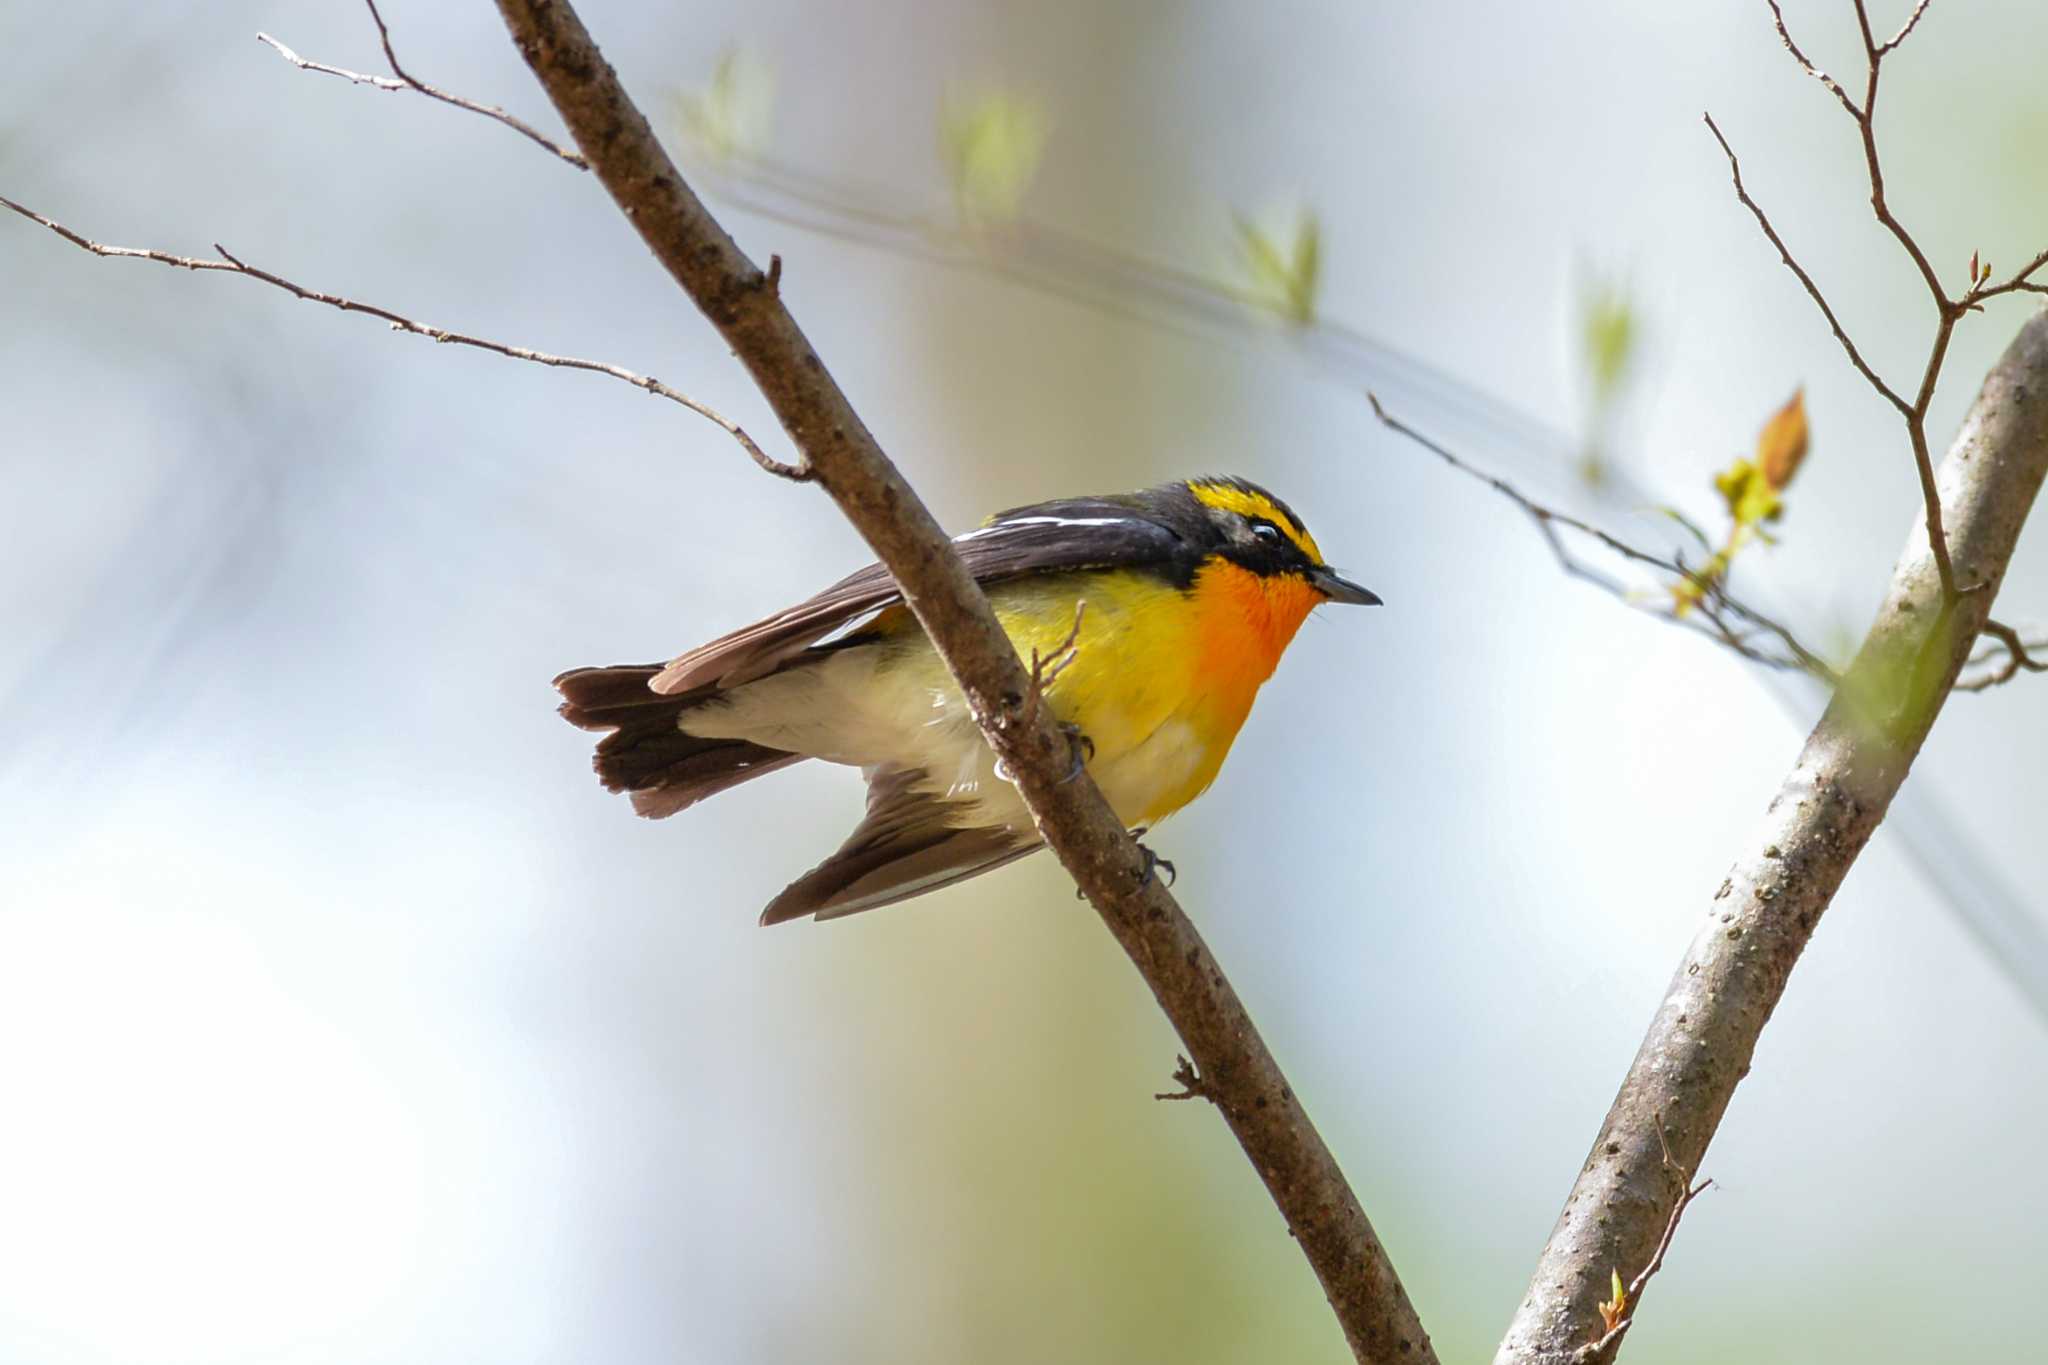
column 1238, row 1072
column 405, row 80
column 232, row 265
column 1948, row 311
column 1721, row 617
column 1700, row 1043
column 1792, row 263
column 2013, row 649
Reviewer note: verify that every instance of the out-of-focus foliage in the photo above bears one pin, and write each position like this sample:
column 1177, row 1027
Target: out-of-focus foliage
column 992, row 141
column 734, row 113
column 1890, row 696
column 1607, row 328
column 1609, row 334
column 1283, row 266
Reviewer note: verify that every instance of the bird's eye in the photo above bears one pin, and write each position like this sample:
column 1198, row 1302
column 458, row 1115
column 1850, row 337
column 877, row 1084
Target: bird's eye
column 1266, row 531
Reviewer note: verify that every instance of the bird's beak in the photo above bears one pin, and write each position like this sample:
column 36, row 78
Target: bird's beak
column 1335, row 589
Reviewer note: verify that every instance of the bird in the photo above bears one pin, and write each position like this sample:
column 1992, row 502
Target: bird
column 1167, row 609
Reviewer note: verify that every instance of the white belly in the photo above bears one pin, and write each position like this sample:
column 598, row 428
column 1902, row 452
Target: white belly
column 839, row 711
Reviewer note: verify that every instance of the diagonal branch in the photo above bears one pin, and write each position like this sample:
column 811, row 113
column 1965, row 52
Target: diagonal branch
column 1238, row 1072
column 1700, row 1043
column 231, row 265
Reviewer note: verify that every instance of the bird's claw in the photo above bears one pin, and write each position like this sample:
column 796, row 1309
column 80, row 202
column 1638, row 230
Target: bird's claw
column 1082, row 747
column 1154, row 865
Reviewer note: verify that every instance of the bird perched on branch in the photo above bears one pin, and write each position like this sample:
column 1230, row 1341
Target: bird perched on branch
column 1159, row 613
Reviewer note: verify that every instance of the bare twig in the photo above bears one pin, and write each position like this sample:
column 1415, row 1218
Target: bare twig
column 401, row 79
column 1246, row 1083
column 2022, row 279
column 1948, row 310
column 1717, row 614
column 1912, row 20
column 2015, row 653
column 1610, row 1340
column 1189, row 1081
column 354, row 77
column 1699, row 1046
column 1791, row 263
column 1834, row 86
column 1046, row 670
column 229, row 264
column 1874, row 54
column 1612, row 1337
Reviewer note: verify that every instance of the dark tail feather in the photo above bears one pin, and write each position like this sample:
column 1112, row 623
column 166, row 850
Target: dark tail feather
column 646, row 753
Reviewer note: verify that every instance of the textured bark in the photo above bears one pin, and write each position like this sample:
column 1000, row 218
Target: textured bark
column 1699, row 1045
column 1235, row 1069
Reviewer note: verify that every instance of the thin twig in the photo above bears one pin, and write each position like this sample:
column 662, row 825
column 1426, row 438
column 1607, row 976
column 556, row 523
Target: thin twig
column 1948, row 310
column 2017, row 652
column 1594, row 1350
column 229, row 264
column 1717, row 611
column 1188, row 1079
column 1866, row 123
column 1046, row 670
column 1906, row 28
column 354, row 77
column 405, row 80
column 2021, row 280
column 1834, row 86
column 1633, row 1291
column 1791, row 263
column 1915, row 412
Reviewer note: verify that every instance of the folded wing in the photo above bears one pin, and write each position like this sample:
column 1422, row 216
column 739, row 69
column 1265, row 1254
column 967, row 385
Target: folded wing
column 1078, row 533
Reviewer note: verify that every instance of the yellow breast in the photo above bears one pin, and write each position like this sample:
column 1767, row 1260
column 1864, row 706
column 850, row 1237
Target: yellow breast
column 1163, row 679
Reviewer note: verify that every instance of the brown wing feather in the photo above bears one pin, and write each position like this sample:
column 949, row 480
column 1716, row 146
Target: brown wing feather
column 754, row 651
column 907, row 845
column 1079, row 533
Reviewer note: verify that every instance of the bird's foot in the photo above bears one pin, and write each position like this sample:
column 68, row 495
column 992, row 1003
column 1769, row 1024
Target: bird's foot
column 1154, row 865
column 1083, row 749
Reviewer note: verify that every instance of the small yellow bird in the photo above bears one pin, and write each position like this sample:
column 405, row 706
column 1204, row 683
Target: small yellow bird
column 1192, row 591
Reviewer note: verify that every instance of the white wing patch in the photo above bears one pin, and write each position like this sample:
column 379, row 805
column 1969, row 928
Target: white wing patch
column 1046, row 521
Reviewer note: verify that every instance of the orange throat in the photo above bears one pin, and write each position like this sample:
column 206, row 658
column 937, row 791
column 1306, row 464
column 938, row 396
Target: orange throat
column 1245, row 622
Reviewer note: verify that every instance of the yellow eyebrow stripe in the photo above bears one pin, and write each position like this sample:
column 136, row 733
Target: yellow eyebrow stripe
column 1231, row 498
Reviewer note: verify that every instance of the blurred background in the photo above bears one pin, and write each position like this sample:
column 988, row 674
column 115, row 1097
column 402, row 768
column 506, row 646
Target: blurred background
column 344, row 1018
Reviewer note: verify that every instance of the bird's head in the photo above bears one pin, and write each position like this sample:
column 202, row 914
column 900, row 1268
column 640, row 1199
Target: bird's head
column 1257, row 532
